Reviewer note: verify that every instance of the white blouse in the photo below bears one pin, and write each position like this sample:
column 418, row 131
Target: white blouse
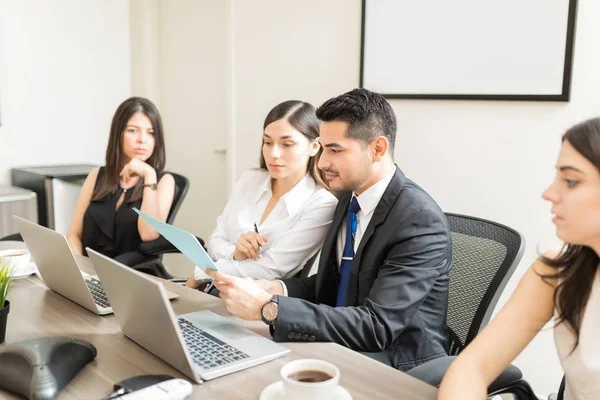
column 295, row 228
column 582, row 366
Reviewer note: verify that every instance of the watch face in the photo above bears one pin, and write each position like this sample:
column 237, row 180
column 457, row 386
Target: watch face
column 270, row 311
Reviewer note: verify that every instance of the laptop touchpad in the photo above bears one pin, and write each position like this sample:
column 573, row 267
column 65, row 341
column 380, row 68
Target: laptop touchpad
column 209, row 320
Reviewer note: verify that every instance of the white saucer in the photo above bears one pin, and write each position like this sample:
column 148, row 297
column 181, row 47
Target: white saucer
column 275, row 392
column 25, row 271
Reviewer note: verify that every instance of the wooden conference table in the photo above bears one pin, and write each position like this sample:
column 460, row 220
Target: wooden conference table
column 36, row 311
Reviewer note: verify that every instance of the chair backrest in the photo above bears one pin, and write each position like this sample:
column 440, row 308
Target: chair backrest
column 484, row 257
column 182, row 185
column 305, row 271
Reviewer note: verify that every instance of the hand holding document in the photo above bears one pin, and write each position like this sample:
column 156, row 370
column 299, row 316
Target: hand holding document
column 184, row 241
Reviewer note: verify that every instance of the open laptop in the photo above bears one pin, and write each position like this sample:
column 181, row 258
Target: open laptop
column 59, row 270
column 202, row 345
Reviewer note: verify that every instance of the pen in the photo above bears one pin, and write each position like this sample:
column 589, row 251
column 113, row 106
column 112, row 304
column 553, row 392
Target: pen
column 256, row 230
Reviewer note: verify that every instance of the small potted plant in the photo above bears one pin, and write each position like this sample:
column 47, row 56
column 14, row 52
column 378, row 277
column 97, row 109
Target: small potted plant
column 6, row 277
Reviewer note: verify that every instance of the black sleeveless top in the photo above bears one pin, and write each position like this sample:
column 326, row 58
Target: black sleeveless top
column 111, row 232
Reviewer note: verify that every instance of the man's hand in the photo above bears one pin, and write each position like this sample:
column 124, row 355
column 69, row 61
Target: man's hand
column 273, row 287
column 243, row 297
column 248, row 245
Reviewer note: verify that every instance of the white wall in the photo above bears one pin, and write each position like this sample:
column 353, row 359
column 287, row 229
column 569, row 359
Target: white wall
column 64, row 69
column 144, row 28
column 289, row 50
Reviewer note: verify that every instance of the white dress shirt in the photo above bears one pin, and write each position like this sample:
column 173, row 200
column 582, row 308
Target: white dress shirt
column 295, row 228
column 367, row 201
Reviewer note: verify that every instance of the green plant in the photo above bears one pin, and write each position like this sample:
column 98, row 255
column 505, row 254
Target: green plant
column 6, row 277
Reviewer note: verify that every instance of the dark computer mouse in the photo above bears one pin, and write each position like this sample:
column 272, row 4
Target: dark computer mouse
column 38, row 369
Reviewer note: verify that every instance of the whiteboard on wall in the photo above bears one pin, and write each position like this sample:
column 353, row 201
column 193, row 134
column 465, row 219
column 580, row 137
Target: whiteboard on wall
column 468, row 49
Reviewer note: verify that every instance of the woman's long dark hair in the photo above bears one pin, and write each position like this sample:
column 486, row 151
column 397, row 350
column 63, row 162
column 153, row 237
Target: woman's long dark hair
column 115, row 157
column 302, row 117
column 577, row 264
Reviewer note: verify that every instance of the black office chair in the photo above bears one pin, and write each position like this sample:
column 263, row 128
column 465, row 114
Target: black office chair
column 484, row 256
column 561, row 391
column 305, row 271
column 15, row 237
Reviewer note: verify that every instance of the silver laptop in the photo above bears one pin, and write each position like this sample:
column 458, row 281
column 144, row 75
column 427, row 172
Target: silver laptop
column 59, row 270
column 202, row 345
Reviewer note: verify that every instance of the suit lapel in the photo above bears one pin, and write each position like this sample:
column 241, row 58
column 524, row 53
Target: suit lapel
column 327, row 275
column 379, row 215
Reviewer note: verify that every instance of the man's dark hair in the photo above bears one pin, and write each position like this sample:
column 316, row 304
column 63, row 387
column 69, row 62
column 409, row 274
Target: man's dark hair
column 368, row 115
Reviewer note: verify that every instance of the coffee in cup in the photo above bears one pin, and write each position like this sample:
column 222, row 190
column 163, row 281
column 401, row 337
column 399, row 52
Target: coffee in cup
column 311, row 376
column 14, row 258
column 309, row 379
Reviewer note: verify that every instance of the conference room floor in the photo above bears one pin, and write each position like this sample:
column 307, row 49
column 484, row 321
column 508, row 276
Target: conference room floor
column 36, row 311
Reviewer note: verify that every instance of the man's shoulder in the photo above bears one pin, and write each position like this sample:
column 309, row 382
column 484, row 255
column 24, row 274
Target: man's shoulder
column 412, row 198
column 415, row 214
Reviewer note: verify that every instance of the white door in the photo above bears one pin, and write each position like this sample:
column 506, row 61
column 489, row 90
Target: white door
column 193, row 103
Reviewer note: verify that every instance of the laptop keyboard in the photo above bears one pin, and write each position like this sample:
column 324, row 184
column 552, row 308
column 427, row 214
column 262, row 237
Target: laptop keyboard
column 97, row 292
column 206, row 350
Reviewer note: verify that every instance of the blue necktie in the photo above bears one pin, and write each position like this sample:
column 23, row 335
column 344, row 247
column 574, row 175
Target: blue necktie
column 348, row 254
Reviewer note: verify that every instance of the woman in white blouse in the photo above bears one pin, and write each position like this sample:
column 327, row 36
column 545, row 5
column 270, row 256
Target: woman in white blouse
column 277, row 216
column 564, row 284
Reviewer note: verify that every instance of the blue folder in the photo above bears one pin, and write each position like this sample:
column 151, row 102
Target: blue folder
column 184, row 241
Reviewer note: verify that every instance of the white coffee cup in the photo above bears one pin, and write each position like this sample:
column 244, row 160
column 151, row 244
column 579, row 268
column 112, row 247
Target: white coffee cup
column 15, row 258
column 296, row 390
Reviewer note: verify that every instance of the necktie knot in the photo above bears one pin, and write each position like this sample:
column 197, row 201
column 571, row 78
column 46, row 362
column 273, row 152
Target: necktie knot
column 354, row 207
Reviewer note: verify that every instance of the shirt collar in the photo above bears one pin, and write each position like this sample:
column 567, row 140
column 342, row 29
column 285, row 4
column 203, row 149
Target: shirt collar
column 299, row 194
column 369, row 199
column 264, row 186
column 295, row 198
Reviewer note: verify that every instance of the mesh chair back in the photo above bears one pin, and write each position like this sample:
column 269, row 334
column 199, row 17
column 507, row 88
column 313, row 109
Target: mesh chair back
column 182, row 185
column 305, row 271
column 484, row 257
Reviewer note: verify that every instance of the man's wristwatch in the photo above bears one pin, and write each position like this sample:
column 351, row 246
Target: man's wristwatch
column 270, row 310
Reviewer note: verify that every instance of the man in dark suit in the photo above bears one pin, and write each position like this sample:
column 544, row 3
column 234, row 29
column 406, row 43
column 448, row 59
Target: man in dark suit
column 382, row 283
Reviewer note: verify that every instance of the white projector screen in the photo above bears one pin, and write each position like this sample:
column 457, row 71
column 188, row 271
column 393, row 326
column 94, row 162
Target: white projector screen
column 468, row 49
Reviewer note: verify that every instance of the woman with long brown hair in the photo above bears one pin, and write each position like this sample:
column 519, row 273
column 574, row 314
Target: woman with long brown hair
column 132, row 177
column 564, row 284
column 277, row 216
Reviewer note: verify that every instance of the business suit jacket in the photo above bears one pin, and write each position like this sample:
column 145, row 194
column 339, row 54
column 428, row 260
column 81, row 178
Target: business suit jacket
column 398, row 289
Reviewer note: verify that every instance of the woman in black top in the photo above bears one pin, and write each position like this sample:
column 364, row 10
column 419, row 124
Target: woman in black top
column 132, row 177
